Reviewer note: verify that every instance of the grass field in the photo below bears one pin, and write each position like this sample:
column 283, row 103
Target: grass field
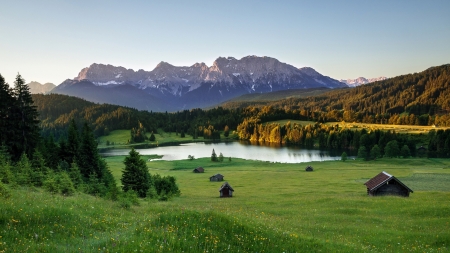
column 276, row 207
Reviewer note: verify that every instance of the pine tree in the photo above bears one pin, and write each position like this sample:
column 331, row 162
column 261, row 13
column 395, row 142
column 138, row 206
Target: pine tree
column 152, row 137
column 26, row 130
column 405, row 152
column 375, row 152
column 213, row 156
column 23, row 170
column 6, row 175
column 391, row 149
column 362, row 152
column 73, row 142
column 7, row 103
column 344, row 156
column 87, row 156
column 39, row 170
column 135, row 176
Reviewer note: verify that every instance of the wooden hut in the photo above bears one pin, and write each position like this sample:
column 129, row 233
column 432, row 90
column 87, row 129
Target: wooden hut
column 309, row 168
column 199, row 170
column 386, row 184
column 421, row 151
column 226, row 190
column 216, row 177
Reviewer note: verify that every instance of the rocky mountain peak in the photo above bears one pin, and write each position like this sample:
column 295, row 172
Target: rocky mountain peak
column 36, row 87
column 362, row 80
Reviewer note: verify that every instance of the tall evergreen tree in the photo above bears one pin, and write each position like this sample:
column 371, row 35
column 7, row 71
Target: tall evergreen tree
column 392, row 149
column 213, row 156
column 6, row 107
column 135, row 176
column 26, row 129
column 73, row 142
column 87, row 156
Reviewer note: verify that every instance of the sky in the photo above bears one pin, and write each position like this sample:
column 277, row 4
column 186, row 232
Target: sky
column 52, row 40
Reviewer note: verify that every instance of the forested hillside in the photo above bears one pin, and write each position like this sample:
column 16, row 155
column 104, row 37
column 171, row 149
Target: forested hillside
column 422, row 97
column 56, row 112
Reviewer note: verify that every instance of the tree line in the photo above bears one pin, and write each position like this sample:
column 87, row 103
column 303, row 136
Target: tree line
column 333, row 137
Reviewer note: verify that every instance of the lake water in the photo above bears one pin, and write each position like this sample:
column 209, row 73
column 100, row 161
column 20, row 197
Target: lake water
column 281, row 154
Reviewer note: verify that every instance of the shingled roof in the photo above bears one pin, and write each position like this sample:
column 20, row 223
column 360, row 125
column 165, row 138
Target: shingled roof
column 225, row 185
column 380, row 179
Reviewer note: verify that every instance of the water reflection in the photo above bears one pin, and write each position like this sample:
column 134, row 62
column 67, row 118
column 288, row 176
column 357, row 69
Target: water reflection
column 270, row 153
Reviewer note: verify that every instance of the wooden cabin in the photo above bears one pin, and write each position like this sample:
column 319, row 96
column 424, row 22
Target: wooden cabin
column 226, row 191
column 198, row 170
column 421, row 151
column 386, row 184
column 216, row 177
column 309, row 168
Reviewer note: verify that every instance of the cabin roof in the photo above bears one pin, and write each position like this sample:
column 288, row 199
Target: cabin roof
column 217, row 175
column 200, row 169
column 379, row 180
column 225, row 185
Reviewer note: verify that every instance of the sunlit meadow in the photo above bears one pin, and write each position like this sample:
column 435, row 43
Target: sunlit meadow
column 275, row 208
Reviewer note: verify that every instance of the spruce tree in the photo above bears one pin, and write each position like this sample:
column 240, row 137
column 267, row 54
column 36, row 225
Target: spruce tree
column 39, row 170
column 135, row 176
column 6, row 175
column 26, row 129
column 23, row 171
column 375, row 152
column 213, row 156
column 87, row 156
column 6, row 108
column 73, row 142
column 344, row 156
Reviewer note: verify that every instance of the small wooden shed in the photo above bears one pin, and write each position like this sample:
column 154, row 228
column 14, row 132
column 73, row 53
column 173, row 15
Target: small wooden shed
column 198, row 170
column 386, row 184
column 216, row 177
column 226, row 190
column 309, row 168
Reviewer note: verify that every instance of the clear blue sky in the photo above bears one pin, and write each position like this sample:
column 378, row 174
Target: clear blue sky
column 50, row 41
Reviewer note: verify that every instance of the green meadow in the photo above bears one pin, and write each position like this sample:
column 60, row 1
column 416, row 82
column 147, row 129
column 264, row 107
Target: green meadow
column 276, row 207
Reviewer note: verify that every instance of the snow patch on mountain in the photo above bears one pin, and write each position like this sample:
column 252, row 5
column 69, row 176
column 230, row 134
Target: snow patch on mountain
column 361, row 81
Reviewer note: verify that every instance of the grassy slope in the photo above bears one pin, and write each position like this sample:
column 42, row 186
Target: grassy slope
column 277, row 207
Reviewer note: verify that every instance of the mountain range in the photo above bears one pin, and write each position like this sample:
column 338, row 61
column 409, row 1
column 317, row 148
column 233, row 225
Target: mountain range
column 361, row 81
column 36, row 87
column 172, row 88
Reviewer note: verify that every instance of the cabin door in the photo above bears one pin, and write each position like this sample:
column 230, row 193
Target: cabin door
column 225, row 193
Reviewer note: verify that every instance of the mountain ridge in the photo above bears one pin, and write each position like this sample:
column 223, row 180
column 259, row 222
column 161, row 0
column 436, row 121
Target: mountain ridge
column 362, row 80
column 198, row 85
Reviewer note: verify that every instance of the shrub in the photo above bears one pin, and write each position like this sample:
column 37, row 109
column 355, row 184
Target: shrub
column 65, row 184
column 4, row 191
column 51, row 185
column 128, row 198
column 152, row 193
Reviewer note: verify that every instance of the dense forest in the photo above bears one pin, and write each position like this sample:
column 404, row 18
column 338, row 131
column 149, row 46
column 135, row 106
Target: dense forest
column 56, row 111
column 413, row 99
